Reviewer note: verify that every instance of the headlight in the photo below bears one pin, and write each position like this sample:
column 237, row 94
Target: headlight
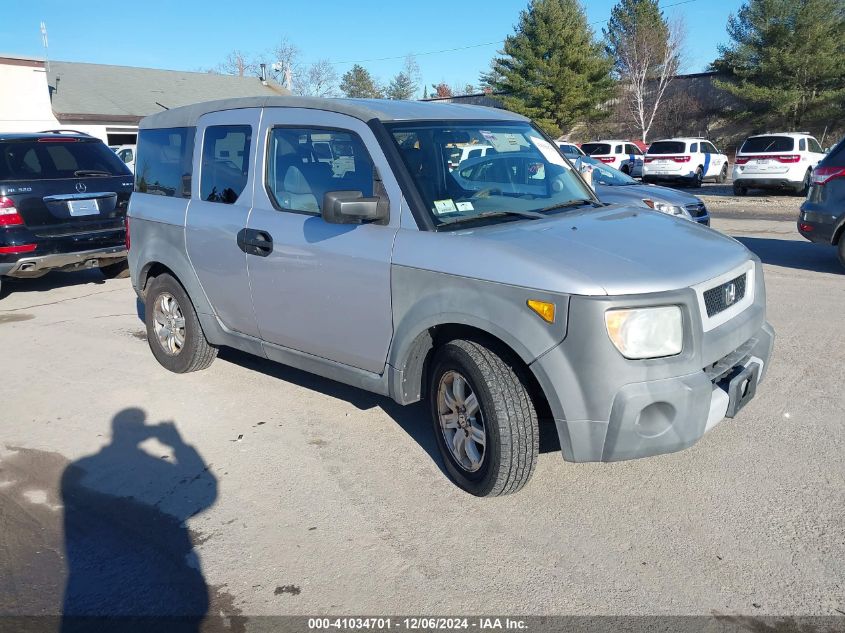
column 668, row 209
column 646, row 332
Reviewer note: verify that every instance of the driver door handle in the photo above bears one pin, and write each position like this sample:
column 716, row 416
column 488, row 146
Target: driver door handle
column 255, row 242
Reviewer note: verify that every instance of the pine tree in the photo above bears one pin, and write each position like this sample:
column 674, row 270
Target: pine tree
column 786, row 60
column 357, row 83
column 551, row 69
column 401, row 87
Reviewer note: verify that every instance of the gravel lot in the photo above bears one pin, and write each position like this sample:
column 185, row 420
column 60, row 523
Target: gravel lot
column 302, row 496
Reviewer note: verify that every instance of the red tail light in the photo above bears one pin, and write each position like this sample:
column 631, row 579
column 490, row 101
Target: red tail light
column 127, row 234
column 606, row 159
column 648, row 160
column 742, row 160
column 822, row 175
column 9, row 215
column 22, row 248
column 782, row 158
column 57, row 139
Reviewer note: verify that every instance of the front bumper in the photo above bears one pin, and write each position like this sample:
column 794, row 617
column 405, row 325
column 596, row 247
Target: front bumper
column 607, row 408
column 27, row 266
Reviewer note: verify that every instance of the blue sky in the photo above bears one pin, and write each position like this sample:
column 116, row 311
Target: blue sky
column 193, row 35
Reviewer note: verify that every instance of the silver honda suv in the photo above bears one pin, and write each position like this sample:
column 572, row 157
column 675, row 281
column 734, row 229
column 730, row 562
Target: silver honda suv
column 340, row 237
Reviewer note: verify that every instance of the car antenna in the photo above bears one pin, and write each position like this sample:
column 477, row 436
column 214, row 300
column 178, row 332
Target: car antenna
column 162, row 105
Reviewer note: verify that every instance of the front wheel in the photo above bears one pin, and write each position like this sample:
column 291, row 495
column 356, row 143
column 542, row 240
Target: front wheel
column 723, row 175
column 805, row 186
column 174, row 332
column 698, row 178
column 739, row 190
column 484, row 420
column 840, row 250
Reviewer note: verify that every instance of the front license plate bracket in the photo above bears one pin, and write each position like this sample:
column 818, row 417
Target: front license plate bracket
column 742, row 388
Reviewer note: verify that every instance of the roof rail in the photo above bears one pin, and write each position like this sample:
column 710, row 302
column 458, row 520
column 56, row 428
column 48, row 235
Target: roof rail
column 63, row 132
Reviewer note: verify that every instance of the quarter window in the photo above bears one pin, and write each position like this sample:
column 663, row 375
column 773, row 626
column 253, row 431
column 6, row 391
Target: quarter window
column 163, row 164
column 225, row 162
column 298, row 176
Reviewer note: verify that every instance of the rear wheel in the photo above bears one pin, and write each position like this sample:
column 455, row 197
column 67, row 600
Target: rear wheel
column 484, row 420
column 739, row 190
column 723, row 175
column 174, row 332
column 119, row 270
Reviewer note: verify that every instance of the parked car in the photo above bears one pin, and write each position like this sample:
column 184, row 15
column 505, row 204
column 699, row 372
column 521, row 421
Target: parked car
column 126, row 153
column 612, row 186
column 63, row 199
column 687, row 160
column 570, row 150
column 784, row 160
column 467, row 152
column 522, row 300
column 822, row 216
column 625, row 156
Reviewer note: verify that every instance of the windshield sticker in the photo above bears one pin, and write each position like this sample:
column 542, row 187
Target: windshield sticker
column 504, row 142
column 465, row 206
column 444, row 206
column 548, row 152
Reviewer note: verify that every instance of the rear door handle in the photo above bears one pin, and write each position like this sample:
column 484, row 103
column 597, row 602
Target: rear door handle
column 254, row 242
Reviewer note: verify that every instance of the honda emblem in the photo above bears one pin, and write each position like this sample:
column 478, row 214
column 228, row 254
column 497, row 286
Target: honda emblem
column 730, row 294
column 81, row 188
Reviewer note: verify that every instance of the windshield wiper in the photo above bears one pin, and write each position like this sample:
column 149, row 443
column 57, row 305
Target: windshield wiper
column 571, row 203
column 534, row 215
column 90, row 172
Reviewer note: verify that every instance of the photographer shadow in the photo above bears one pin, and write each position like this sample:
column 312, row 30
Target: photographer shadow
column 130, row 557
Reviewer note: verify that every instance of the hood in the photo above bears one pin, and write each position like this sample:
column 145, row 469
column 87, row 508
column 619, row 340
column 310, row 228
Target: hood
column 634, row 194
column 610, row 250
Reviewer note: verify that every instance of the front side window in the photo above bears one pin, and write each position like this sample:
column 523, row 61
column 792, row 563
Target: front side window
column 299, row 174
column 633, row 149
column 519, row 172
column 163, row 165
column 225, row 162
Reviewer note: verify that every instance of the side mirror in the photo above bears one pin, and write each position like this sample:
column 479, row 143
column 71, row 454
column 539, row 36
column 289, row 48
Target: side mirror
column 351, row 207
column 827, row 150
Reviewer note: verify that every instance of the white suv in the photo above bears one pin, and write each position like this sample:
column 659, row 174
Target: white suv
column 776, row 161
column 692, row 160
column 622, row 155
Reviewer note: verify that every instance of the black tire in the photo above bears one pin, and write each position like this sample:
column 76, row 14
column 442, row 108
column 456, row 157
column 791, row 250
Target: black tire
column 740, row 190
column 840, row 249
column 118, row 270
column 507, row 413
column 626, row 170
column 723, row 175
column 698, row 178
column 195, row 353
column 805, row 186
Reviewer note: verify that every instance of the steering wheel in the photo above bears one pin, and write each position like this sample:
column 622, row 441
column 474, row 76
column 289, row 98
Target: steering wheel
column 484, row 193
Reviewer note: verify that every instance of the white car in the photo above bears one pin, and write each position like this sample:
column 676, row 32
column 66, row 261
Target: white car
column 126, row 153
column 621, row 155
column 467, row 152
column 570, row 150
column 776, row 161
column 690, row 160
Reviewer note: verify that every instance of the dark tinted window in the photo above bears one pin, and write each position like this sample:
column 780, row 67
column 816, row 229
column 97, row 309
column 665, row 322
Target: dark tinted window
column 802, row 145
column 814, row 145
column 163, row 165
column 225, row 162
column 760, row 144
column 596, row 149
column 298, row 177
column 58, row 158
column 618, row 149
column 694, row 148
column 667, row 147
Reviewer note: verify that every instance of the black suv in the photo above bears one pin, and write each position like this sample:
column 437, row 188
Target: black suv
column 822, row 216
column 63, row 199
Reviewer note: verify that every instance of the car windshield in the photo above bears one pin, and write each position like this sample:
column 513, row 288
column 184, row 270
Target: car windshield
column 52, row 158
column 757, row 144
column 519, row 173
column 605, row 174
column 667, row 147
column 596, row 149
column 570, row 151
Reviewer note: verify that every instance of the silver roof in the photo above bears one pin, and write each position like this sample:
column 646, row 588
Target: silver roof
column 363, row 109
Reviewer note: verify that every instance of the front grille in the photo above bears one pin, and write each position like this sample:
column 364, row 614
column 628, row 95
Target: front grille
column 722, row 297
column 696, row 210
column 723, row 366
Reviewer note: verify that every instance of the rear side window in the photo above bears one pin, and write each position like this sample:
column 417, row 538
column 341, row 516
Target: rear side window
column 163, row 165
column 298, row 178
column 225, row 162
column 57, row 159
column 618, row 149
column 667, row 147
column 596, row 149
column 694, row 148
column 802, row 145
column 760, row 144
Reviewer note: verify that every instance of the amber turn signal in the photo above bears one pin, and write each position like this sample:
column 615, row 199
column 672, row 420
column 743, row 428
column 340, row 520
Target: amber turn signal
column 545, row 309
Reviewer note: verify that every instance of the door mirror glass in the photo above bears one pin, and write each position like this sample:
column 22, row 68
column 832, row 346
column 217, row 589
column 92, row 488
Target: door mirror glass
column 351, row 207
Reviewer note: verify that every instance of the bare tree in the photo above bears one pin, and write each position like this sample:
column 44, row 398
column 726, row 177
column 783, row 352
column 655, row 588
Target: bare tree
column 237, row 63
column 319, row 80
column 648, row 59
column 283, row 62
